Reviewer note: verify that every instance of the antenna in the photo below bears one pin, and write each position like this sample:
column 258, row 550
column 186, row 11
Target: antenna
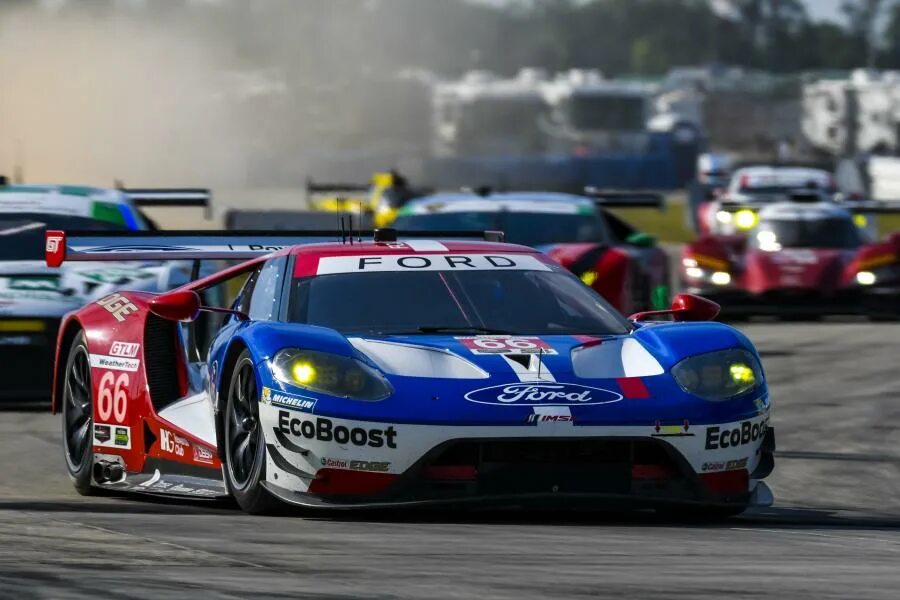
column 540, row 355
column 359, row 222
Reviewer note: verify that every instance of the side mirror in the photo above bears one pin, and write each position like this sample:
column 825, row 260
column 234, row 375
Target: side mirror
column 176, row 306
column 685, row 307
column 641, row 239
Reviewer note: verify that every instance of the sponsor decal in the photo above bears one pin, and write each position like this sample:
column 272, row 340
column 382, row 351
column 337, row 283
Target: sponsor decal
column 112, row 436
column 172, row 443
column 324, row 430
column 660, row 430
column 124, row 349
column 53, row 243
column 276, row 398
column 123, row 437
column 254, row 248
column 506, row 344
column 429, row 262
column 112, row 396
column 102, row 433
column 118, row 306
column 38, row 284
column 745, row 433
column 762, row 405
column 542, row 394
column 357, row 465
column 540, row 418
column 721, row 465
column 114, row 363
column 15, row 340
column 202, row 454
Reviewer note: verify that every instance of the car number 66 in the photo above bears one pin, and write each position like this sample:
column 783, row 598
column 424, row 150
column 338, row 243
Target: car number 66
column 112, row 398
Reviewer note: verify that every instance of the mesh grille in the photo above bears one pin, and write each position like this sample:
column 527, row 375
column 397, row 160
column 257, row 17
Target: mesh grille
column 161, row 361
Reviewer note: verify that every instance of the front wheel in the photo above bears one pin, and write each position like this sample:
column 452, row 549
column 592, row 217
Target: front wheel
column 78, row 417
column 245, row 447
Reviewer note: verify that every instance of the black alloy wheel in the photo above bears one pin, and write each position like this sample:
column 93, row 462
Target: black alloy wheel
column 78, row 416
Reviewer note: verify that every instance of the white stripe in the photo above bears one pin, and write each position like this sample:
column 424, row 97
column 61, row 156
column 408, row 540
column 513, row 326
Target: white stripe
column 152, row 480
column 425, row 245
column 536, row 371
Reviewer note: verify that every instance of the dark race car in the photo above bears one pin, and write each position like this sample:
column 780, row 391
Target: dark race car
column 799, row 259
column 624, row 265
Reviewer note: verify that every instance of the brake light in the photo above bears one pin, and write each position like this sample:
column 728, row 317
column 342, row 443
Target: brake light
column 350, row 483
column 726, row 483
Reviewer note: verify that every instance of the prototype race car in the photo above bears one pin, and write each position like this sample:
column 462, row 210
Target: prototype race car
column 479, row 373
column 623, row 264
column 799, row 259
column 33, row 298
column 754, row 187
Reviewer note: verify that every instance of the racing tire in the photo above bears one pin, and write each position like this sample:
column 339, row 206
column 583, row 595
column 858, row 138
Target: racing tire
column 78, row 417
column 244, row 459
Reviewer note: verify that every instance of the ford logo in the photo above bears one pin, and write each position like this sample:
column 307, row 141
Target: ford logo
column 535, row 393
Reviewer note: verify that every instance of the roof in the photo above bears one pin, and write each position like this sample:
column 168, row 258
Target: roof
column 522, row 202
column 793, row 211
column 763, row 176
column 417, row 246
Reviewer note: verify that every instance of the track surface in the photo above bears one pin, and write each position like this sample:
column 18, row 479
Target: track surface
column 834, row 532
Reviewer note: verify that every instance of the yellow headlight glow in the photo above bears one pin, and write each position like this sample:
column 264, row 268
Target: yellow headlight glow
column 589, row 277
column 861, row 221
column 741, row 373
column 745, row 218
column 303, row 372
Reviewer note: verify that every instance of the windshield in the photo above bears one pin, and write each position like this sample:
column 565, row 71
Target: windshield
column 22, row 234
column 528, row 229
column 607, row 113
column 773, row 235
column 551, row 302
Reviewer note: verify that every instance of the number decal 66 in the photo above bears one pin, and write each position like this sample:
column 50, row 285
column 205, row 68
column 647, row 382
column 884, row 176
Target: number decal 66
column 112, row 397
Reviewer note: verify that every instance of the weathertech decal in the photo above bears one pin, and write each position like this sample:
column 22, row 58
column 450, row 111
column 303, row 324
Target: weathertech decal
column 506, row 344
column 114, row 363
column 428, row 262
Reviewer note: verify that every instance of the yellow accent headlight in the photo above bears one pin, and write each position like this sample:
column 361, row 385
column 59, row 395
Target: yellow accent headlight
column 861, row 221
column 745, row 218
column 303, row 372
column 23, row 326
column 741, row 373
column 589, row 277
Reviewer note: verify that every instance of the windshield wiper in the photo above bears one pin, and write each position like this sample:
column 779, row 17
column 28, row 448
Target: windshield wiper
column 462, row 329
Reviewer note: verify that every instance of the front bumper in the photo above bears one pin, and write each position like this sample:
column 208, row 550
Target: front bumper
column 850, row 301
column 560, row 463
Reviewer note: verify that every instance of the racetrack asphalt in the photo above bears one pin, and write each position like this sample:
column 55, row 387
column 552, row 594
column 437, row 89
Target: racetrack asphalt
column 834, row 531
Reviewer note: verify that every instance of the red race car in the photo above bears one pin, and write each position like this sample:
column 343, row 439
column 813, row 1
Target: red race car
column 803, row 259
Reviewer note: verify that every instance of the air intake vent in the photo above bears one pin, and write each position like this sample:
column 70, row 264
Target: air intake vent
column 161, row 361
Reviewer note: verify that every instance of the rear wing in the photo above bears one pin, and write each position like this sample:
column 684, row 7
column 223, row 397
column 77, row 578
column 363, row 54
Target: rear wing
column 335, row 187
column 626, row 199
column 288, row 220
column 185, row 197
column 62, row 246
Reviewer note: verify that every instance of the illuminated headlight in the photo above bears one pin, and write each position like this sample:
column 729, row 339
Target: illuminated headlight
column 329, row 374
column 718, row 376
column 865, row 278
column 694, row 272
column 724, row 217
column 860, row 221
column 720, row 278
column 745, row 219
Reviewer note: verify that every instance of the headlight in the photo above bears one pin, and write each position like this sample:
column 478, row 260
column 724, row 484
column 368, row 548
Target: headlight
column 330, row 374
column 720, row 375
column 745, row 218
column 724, row 217
column 865, row 278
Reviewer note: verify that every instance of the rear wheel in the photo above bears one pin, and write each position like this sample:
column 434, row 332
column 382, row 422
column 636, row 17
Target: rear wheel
column 78, row 416
column 245, row 448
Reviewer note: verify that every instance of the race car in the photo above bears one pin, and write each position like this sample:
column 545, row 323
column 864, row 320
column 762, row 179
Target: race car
column 623, row 264
column 377, row 201
column 480, row 373
column 805, row 259
column 33, row 298
column 754, row 187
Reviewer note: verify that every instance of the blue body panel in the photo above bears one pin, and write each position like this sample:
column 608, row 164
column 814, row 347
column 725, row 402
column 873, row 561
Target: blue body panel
column 419, row 400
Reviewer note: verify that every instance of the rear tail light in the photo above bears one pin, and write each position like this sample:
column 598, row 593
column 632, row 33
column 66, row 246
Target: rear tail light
column 350, row 483
column 726, row 483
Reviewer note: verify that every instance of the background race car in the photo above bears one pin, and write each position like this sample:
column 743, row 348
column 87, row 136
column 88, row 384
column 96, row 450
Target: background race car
column 33, row 298
column 799, row 259
column 621, row 263
column 480, row 373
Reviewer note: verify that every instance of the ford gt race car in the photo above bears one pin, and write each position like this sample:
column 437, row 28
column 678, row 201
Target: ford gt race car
column 475, row 373
column 799, row 259
column 33, row 298
column 618, row 261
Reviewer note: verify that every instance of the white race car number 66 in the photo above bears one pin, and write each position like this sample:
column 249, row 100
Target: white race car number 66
column 112, row 399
